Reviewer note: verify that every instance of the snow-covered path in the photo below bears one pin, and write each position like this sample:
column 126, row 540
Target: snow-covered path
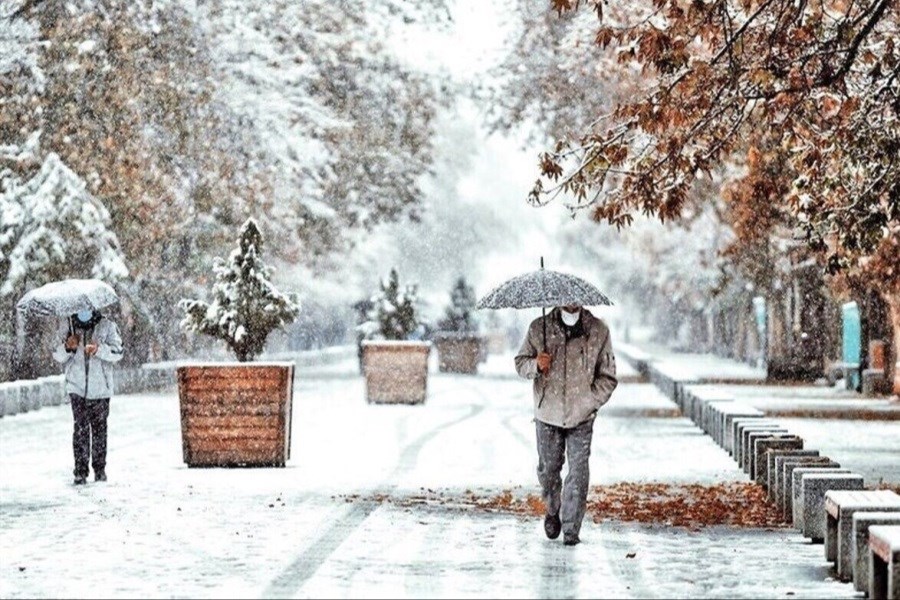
column 159, row 529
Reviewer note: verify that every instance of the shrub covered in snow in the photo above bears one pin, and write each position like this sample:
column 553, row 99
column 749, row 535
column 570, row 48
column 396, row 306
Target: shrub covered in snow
column 246, row 306
column 460, row 314
column 393, row 314
column 52, row 227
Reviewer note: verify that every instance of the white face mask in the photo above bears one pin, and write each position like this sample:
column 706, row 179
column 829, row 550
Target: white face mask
column 570, row 318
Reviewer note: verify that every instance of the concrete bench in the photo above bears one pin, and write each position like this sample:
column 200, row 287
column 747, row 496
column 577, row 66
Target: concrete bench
column 735, row 415
column 862, row 521
column 839, row 509
column 741, row 431
column 810, row 504
column 759, row 462
column 784, row 465
column 884, row 561
column 773, row 467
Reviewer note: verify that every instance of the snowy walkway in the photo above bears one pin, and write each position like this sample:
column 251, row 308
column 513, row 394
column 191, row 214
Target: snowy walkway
column 159, row 529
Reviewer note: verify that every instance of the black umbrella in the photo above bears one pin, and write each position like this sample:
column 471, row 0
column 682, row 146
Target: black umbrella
column 543, row 288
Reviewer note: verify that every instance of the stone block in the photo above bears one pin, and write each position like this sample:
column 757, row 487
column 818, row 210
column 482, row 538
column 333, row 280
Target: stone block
column 750, row 436
column 774, row 468
column 732, row 420
column 759, row 471
column 813, row 487
column 793, row 473
column 741, row 430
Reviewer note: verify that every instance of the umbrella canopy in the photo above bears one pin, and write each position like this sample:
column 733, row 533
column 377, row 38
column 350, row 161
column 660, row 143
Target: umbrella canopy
column 543, row 288
column 63, row 298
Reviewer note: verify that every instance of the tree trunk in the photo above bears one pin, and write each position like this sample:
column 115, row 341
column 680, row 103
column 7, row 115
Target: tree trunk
column 893, row 360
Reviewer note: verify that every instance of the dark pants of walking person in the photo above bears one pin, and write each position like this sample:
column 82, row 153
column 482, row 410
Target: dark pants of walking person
column 568, row 499
column 89, row 437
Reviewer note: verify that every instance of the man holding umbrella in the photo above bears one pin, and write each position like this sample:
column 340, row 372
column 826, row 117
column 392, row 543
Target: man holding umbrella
column 569, row 356
column 89, row 344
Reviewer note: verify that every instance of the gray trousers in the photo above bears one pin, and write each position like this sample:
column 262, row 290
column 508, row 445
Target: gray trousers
column 567, row 500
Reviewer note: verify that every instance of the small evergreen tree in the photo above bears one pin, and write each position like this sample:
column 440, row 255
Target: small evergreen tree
column 460, row 315
column 394, row 313
column 246, row 307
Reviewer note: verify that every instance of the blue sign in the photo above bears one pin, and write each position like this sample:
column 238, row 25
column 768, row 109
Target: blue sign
column 852, row 338
column 759, row 311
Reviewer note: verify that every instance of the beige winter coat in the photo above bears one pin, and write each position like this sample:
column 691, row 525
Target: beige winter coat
column 582, row 374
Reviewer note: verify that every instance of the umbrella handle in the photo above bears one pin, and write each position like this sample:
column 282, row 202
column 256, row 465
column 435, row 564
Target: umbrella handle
column 544, row 315
column 544, row 323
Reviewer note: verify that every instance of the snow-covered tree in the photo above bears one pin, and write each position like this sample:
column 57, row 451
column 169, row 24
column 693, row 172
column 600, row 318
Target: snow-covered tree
column 460, row 314
column 53, row 228
column 336, row 127
column 246, row 307
column 394, row 312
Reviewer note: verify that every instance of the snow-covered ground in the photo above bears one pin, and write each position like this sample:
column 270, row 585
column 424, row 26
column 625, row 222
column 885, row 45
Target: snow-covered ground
column 159, row 529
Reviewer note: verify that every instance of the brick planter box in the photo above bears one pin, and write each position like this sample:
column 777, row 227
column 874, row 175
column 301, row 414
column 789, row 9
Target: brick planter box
column 236, row 414
column 396, row 372
column 458, row 352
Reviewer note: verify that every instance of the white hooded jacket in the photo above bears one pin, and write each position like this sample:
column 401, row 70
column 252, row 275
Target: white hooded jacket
column 90, row 377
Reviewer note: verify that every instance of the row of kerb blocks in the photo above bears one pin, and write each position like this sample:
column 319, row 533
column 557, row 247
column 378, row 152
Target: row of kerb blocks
column 826, row 503
column 26, row 395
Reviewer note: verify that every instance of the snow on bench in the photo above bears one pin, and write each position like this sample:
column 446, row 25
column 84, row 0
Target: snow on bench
column 884, row 561
column 859, row 545
column 839, row 509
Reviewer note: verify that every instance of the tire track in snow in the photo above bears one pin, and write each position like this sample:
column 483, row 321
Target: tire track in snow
column 305, row 566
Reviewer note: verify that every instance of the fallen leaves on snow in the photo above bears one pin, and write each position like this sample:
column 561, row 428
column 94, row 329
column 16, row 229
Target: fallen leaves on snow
column 679, row 505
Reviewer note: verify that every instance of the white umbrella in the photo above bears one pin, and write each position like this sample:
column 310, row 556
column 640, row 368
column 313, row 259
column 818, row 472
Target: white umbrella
column 64, row 298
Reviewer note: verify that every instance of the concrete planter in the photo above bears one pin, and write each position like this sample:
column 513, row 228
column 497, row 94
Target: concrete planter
column 458, row 352
column 396, row 372
column 236, row 414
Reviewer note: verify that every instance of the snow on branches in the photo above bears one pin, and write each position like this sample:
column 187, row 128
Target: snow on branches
column 394, row 312
column 460, row 314
column 246, row 306
column 51, row 228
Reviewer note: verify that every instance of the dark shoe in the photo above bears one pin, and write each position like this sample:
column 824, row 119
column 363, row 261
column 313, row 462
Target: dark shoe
column 80, row 480
column 100, row 476
column 570, row 539
column 552, row 526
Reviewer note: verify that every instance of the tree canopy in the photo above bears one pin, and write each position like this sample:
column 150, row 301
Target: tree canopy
column 812, row 86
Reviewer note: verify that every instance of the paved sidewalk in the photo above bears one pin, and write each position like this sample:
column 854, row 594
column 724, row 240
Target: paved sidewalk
column 159, row 529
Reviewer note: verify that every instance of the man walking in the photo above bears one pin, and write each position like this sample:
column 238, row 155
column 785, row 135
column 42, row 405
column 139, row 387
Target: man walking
column 89, row 344
column 569, row 356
